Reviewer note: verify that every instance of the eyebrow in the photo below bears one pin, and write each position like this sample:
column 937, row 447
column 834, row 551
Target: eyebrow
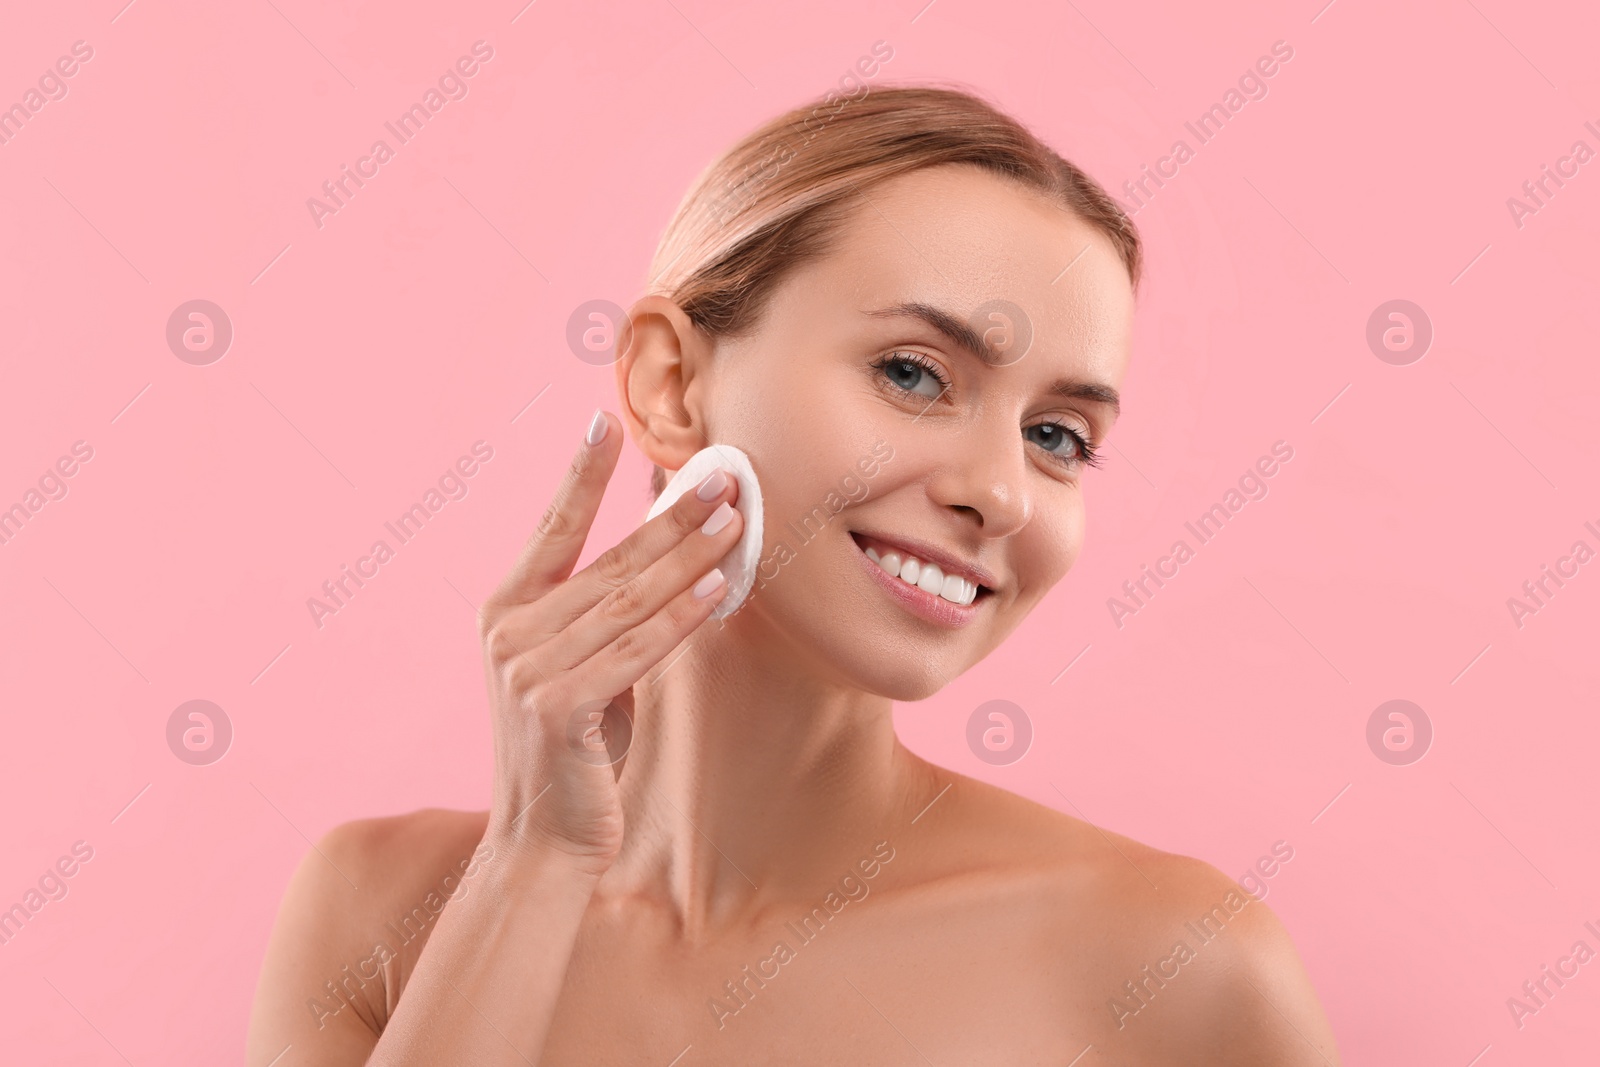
column 960, row 332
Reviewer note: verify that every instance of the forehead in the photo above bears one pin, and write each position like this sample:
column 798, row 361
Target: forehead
column 959, row 237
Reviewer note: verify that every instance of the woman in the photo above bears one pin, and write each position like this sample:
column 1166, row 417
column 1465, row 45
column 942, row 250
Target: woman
column 769, row 876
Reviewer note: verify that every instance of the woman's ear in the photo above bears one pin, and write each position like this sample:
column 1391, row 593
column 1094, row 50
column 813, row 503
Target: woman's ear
column 662, row 356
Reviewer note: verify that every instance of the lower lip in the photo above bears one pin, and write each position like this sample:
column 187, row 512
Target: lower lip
column 918, row 601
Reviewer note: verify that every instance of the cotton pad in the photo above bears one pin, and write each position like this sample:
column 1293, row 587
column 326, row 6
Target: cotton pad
column 739, row 565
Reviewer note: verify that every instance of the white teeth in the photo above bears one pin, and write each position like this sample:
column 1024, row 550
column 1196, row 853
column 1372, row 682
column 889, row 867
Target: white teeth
column 925, row 576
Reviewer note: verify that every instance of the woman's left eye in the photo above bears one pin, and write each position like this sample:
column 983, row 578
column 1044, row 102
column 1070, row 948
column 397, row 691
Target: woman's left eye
column 911, row 372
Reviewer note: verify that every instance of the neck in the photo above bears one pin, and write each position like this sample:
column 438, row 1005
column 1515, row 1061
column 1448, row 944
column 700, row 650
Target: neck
column 753, row 777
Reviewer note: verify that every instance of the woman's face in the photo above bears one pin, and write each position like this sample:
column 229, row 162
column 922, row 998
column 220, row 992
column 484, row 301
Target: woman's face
column 869, row 426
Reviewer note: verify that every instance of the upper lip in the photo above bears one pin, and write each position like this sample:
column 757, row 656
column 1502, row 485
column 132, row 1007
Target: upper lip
column 948, row 562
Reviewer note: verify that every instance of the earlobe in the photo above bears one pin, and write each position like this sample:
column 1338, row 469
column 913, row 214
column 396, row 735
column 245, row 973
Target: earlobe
column 661, row 353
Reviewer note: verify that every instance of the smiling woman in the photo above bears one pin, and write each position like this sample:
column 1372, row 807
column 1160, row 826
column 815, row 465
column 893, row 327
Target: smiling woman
column 669, row 796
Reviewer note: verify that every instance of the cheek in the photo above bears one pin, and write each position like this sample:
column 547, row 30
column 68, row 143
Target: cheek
column 1049, row 554
column 810, row 454
column 779, row 426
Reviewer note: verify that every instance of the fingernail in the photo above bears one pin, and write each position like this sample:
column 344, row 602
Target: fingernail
column 715, row 483
column 708, row 585
column 597, row 428
column 719, row 518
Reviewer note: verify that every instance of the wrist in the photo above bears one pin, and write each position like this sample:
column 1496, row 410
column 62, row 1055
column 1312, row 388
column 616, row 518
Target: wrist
column 527, row 849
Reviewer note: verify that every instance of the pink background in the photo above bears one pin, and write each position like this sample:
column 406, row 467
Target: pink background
column 370, row 353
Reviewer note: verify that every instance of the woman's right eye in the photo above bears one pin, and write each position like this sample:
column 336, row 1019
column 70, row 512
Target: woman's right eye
column 912, row 372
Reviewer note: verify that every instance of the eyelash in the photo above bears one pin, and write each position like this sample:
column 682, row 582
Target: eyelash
column 1087, row 454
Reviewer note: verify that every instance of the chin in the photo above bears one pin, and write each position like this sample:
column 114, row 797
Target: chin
column 838, row 649
column 902, row 686
column 874, row 672
column 911, row 690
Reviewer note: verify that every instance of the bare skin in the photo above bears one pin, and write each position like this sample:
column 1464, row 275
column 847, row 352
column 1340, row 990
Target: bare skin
column 655, row 910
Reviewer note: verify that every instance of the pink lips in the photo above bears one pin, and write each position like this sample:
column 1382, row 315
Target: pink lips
column 935, row 609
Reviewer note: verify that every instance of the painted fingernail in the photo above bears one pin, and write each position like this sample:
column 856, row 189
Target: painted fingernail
column 597, row 428
column 715, row 483
column 719, row 518
column 708, row 585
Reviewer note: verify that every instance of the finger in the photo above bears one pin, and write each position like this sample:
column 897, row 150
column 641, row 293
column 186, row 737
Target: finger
column 635, row 651
column 551, row 553
column 644, row 595
column 637, row 552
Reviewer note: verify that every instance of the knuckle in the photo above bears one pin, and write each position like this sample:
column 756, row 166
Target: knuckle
column 584, row 460
column 626, row 601
column 501, row 644
column 614, row 567
column 628, row 646
column 686, row 515
column 490, row 616
column 557, row 522
column 684, row 614
column 522, row 675
column 495, row 643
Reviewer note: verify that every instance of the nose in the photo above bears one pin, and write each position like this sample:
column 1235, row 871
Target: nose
column 985, row 478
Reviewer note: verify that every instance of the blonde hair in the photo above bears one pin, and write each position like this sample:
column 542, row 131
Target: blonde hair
column 776, row 198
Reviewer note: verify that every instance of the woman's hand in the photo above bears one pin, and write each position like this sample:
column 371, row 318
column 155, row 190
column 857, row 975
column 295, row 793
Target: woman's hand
column 485, row 985
column 562, row 651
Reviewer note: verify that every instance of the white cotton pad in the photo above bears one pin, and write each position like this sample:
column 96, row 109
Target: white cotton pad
column 739, row 565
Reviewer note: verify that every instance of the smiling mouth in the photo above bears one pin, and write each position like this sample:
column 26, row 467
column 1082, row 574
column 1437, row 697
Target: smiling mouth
column 904, row 566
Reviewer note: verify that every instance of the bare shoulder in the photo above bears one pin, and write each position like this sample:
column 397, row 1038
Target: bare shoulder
column 1177, row 960
column 394, row 873
column 398, row 852
column 353, row 920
